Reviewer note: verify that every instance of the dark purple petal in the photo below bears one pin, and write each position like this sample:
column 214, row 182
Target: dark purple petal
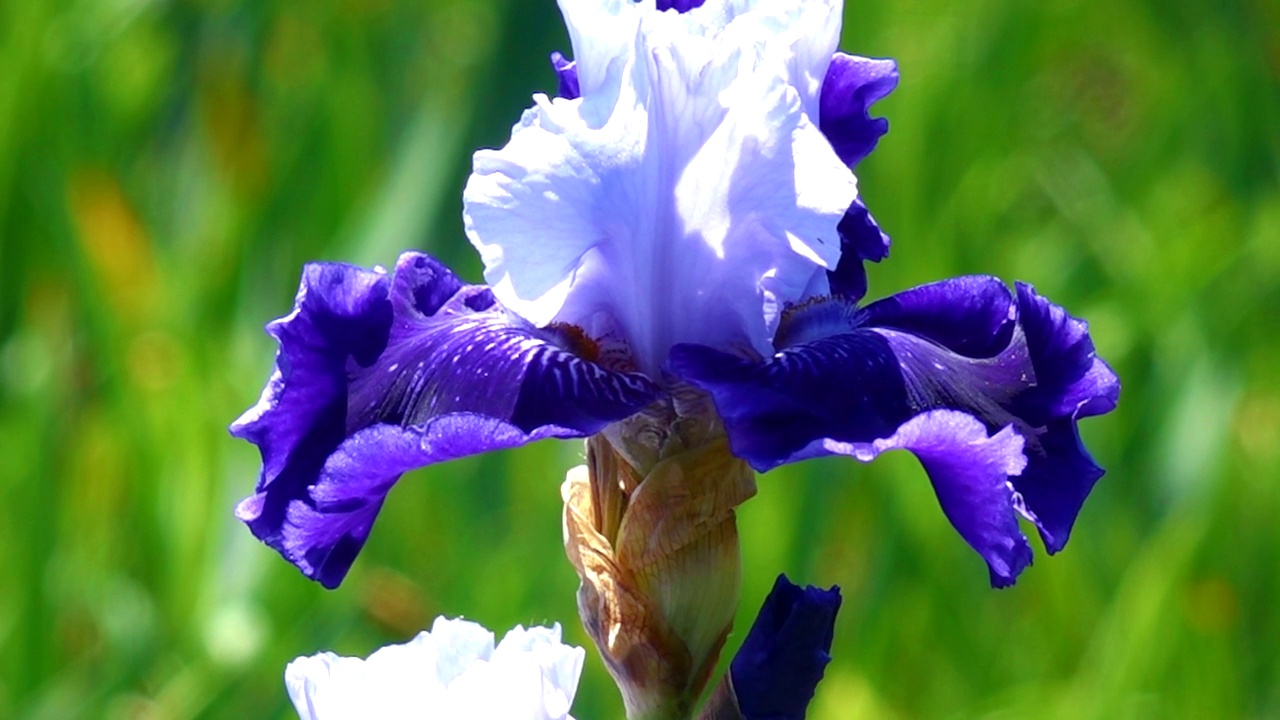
column 323, row 528
column 970, row 474
column 375, row 377
column 1071, row 380
column 852, row 85
column 340, row 312
column 973, row 315
column 964, row 345
column 1045, row 379
column 785, row 653
column 846, row 387
column 1059, row 476
column 861, row 239
column 679, row 5
column 567, row 74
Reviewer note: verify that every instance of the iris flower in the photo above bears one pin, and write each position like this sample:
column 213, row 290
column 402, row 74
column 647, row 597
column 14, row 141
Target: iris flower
column 677, row 241
column 452, row 671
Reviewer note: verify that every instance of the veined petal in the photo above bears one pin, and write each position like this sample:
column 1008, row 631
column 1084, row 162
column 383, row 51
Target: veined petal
column 376, row 376
column 846, row 387
column 1070, row 377
column 970, row 474
column 1025, row 370
column 1045, row 378
column 973, row 315
column 1072, row 382
column 686, row 195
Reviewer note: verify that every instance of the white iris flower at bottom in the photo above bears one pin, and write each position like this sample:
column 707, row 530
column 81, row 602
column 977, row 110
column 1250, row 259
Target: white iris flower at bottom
column 452, row 671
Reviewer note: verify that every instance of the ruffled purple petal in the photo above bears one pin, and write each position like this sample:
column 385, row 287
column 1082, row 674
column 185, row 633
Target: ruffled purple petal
column 852, row 85
column 1059, row 476
column 1022, row 368
column 973, row 315
column 846, row 387
column 786, row 652
column 377, row 376
column 340, row 312
column 861, row 239
column 1072, row 382
column 970, row 474
column 1043, row 380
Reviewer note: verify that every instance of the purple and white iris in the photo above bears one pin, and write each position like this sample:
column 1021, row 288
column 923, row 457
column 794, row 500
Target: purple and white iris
column 681, row 222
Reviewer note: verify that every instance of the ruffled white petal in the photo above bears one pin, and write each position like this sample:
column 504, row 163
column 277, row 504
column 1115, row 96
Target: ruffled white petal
column 453, row 671
column 687, row 195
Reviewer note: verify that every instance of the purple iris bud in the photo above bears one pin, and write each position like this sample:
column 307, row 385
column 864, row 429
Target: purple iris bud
column 785, row 653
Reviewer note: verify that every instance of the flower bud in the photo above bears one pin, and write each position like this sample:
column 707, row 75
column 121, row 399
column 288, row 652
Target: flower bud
column 661, row 571
column 782, row 659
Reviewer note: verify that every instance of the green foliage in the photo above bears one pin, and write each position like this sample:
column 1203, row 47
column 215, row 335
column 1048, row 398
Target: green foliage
column 166, row 168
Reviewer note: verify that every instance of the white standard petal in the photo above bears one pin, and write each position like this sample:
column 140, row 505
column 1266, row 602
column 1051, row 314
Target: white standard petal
column 688, row 195
column 459, row 645
column 453, row 671
column 559, row 665
column 325, row 686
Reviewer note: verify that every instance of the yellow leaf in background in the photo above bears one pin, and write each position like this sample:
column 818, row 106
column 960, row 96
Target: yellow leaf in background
column 115, row 244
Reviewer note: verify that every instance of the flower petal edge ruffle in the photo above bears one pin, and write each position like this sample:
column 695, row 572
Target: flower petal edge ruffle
column 1015, row 364
column 851, row 86
column 379, row 375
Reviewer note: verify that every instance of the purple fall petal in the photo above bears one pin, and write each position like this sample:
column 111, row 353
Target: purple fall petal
column 1059, row 476
column 1070, row 377
column 341, row 312
column 323, row 531
column 1023, row 369
column 972, row 315
column 845, row 387
column 970, row 474
column 377, row 376
column 786, row 652
column 1072, row 382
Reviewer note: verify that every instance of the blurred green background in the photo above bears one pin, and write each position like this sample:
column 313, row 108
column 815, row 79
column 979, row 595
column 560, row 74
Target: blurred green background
column 167, row 167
